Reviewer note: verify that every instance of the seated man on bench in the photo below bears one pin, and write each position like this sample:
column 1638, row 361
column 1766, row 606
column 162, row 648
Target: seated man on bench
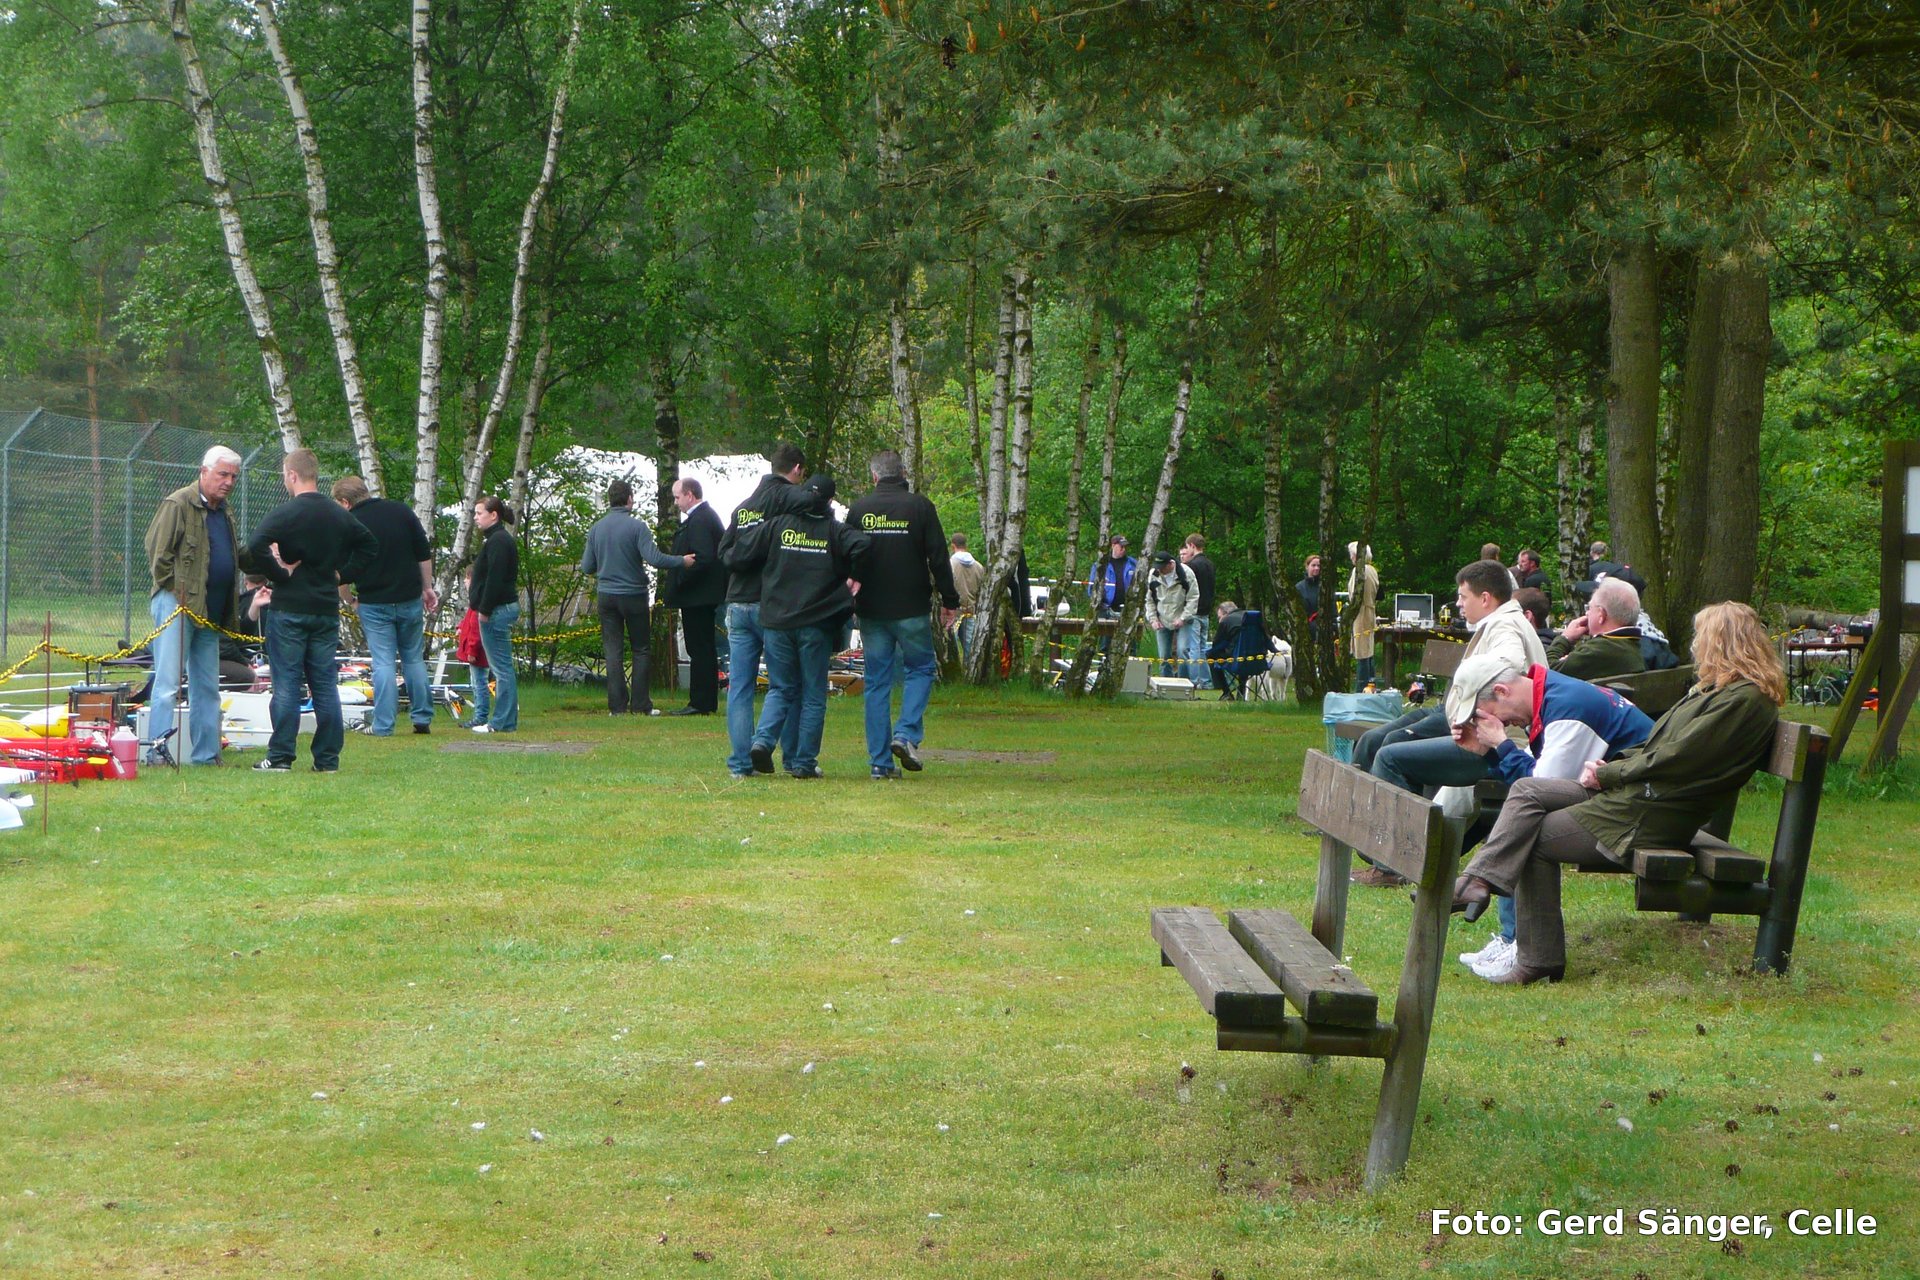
column 1697, row 757
column 1416, row 750
column 1568, row 723
column 1605, row 640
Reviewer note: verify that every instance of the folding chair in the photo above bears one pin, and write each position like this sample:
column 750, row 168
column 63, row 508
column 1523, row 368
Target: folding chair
column 1248, row 663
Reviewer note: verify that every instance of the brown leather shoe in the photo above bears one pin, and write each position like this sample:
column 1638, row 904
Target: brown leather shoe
column 1378, row 878
column 1522, row 975
column 1471, row 894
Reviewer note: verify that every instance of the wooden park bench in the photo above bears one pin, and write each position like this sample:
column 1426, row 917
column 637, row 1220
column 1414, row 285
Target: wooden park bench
column 1654, row 692
column 1249, row 970
column 1712, row 877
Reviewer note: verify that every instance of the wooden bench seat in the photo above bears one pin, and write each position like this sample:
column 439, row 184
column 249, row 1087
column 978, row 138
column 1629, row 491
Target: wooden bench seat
column 1247, row 971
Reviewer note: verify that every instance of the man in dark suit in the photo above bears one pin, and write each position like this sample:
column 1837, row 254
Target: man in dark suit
column 696, row 592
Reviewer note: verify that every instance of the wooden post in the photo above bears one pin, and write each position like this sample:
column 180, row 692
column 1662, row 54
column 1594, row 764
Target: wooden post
column 1899, row 544
column 1865, row 672
column 1787, row 874
column 1413, row 1010
column 1330, row 895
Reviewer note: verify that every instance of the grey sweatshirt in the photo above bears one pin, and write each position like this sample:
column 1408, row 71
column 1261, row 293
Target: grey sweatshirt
column 616, row 546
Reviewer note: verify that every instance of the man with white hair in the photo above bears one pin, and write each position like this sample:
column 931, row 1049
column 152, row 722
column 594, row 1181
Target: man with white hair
column 1605, row 640
column 194, row 555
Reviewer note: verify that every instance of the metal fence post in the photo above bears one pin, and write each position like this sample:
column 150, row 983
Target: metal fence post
column 6, row 530
column 126, row 520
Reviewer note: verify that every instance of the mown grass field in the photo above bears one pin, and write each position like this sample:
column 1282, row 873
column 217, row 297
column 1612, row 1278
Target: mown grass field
column 253, row 1025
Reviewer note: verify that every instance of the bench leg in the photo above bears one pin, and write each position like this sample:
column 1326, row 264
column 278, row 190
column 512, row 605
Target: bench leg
column 1399, row 1106
column 1330, row 902
column 1787, row 873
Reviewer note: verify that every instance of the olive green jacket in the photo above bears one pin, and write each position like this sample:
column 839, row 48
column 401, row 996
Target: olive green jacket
column 1597, row 657
column 177, row 550
column 1697, row 758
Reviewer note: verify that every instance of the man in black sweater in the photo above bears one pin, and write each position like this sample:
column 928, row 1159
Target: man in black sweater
column 1193, row 554
column 696, row 591
column 907, row 564
column 804, row 560
column 305, row 546
column 393, row 597
column 746, row 641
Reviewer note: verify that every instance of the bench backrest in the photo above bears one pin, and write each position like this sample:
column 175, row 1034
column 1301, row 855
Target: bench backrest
column 1654, row 692
column 1791, row 741
column 1387, row 825
column 1441, row 658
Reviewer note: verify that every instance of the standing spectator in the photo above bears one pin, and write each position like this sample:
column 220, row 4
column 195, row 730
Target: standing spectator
column 392, row 595
column 1363, row 589
column 1193, row 554
column 804, row 558
column 1173, row 596
column 306, row 547
column 494, row 595
column 620, row 546
column 1309, row 590
column 1528, row 570
column 194, row 557
column 1111, row 579
column 746, row 640
column 969, row 575
column 906, row 565
column 696, row 591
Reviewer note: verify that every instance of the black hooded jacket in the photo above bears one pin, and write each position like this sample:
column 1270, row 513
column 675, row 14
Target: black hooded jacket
column 743, row 585
column 909, row 557
column 803, row 559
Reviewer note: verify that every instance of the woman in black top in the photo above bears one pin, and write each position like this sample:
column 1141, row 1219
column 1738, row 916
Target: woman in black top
column 494, row 594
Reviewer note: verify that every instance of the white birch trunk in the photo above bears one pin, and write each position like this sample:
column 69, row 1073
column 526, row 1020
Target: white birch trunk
column 900, row 364
column 997, row 415
column 1089, row 374
column 200, row 107
column 1127, row 630
column 972, row 392
column 517, row 307
column 326, row 255
column 433, row 317
column 1116, row 384
column 530, row 409
column 1017, row 441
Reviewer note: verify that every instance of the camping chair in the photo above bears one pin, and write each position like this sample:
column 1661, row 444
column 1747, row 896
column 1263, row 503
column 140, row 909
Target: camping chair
column 1247, row 664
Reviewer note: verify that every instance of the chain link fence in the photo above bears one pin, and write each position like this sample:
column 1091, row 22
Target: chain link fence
column 76, row 495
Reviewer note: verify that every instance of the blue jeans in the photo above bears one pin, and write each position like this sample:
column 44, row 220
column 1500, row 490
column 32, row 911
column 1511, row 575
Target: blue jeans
column 201, row 651
column 301, row 649
column 396, row 633
column 1165, row 644
column 1417, row 724
column 745, row 643
column 1430, row 762
column 1362, row 673
column 1197, row 634
column 502, row 711
column 898, row 651
column 796, row 691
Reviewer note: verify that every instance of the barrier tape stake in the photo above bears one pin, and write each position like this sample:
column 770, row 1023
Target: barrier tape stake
column 46, row 718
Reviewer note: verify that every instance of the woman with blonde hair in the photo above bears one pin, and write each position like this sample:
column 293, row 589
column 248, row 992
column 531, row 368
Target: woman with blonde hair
column 1363, row 589
column 1696, row 759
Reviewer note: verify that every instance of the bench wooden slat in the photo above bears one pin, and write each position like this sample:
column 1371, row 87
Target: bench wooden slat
column 1354, row 730
column 1230, row 985
column 1654, row 692
column 1441, row 658
column 1384, row 823
column 1663, row 864
column 1322, row 988
column 1722, row 863
column 1788, row 759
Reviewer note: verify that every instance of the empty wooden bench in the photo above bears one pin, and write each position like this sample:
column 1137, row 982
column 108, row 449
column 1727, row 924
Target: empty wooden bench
column 1711, row 876
column 1249, row 971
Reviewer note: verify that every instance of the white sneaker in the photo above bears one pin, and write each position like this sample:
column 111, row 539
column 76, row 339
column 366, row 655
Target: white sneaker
column 483, row 728
column 1498, row 966
column 1493, row 944
column 1497, row 952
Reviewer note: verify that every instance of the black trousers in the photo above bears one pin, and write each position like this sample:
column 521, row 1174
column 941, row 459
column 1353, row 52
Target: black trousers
column 703, row 658
column 628, row 615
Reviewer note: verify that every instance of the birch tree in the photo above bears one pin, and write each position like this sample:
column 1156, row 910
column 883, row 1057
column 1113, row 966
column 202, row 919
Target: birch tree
column 433, row 316
column 239, row 259
column 326, row 255
column 1016, row 434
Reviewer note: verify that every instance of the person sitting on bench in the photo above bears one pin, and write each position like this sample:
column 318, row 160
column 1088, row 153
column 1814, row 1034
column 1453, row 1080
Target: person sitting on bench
column 1605, row 640
column 1423, row 753
column 1696, row 759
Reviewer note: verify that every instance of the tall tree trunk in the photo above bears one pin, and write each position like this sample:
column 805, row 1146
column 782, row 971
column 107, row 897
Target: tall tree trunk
column 900, row 368
column 1694, row 487
column 997, row 411
column 983, row 664
column 433, row 317
column 1633, row 408
column 517, row 305
column 1376, row 428
column 1089, row 374
column 1127, row 630
column 326, row 255
column 239, row 259
column 666, row 431
column 530, row 406
column 1569, row 555
column 1733, row 537
column 971, row 390
column 1116, row 384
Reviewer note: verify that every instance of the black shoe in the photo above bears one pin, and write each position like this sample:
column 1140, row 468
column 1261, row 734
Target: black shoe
column 762, row 758
column 885, row 773
column 272, row 766
column 423, row 728
column 1525, row 975
column 806, row 774
column 687, row 711
column 326, row 768
column 1471, row 894
column 909, row 758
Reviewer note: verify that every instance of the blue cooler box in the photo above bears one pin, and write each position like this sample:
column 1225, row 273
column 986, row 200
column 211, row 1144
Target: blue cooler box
column 1344, row 708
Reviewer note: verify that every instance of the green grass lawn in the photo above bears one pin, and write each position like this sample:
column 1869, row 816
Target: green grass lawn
column 298, row 1024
